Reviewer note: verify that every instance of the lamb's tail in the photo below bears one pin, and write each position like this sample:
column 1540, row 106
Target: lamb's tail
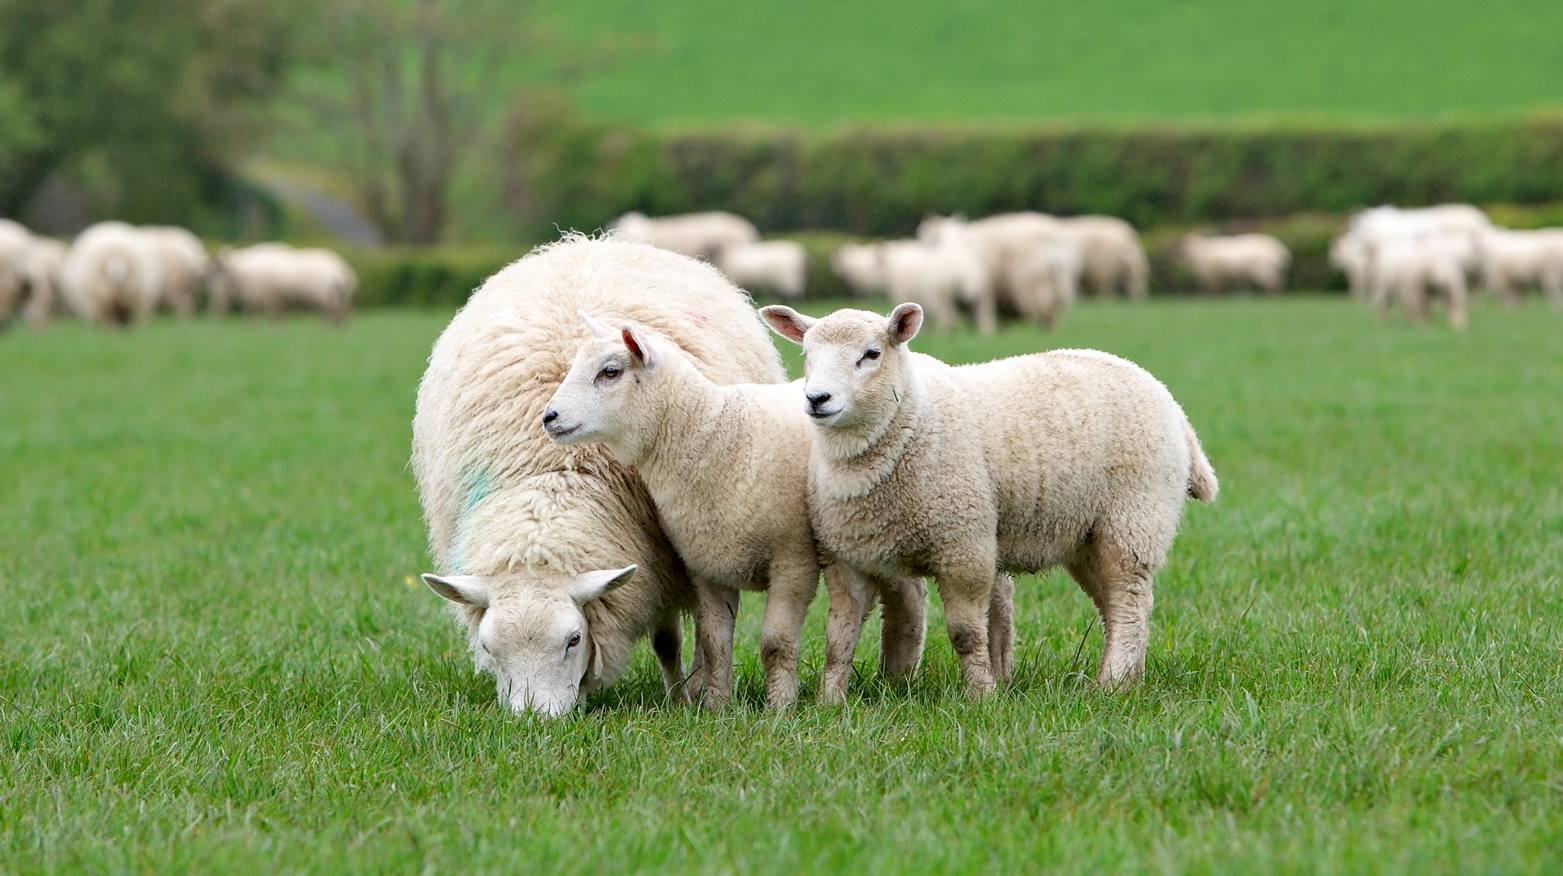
column 1202, row 478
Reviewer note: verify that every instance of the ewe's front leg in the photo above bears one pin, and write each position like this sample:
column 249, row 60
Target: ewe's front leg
column 793, row 584
column 851, row 597
column 1001, row 627
column 903, row 626
column 714, row 621
column 965, row 593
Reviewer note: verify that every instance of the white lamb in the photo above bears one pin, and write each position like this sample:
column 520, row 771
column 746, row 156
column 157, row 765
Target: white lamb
column 1111, row 256
column 267, row 277
column 779, row 266
column 1512, row 260
column 111, row 276
column 530, row 537
column 1034, row 263
column 700, row 235
column 727, row 467
column 1221, row 263
column 861, row 268
column 941, row 277
column 182, row 263
column 1071, row 457
column 1407, row 268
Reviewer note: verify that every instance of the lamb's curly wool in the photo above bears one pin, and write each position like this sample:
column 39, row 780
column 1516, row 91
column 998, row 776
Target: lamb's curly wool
column 527, row 516
column 1071, row 457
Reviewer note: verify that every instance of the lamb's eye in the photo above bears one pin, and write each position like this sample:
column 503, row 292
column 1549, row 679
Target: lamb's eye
column 869, row 355
column 610, row 372
column 575, row 639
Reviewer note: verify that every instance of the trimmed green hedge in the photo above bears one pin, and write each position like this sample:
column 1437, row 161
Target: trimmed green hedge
column 567, row 173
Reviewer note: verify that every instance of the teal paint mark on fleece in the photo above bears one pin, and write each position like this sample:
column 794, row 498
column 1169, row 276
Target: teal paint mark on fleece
column 477, row 491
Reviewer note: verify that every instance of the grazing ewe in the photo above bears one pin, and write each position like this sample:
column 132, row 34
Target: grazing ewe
column 1111, row 256
column 1406, row 268
column 182, row 263
column 861, row 268
column 1034, row 263
column 1071, row 457
column 699, row 235
column 111, row 276
column 727, row 467
column 270, row 276
column 1220, row 263
column 520, row 527
column 1515, row 259
column 779, row 266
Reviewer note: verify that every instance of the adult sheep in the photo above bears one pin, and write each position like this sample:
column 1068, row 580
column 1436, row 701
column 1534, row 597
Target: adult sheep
column 183, row 264
column 1070, row 457
column 111, row 276
column 267, row 277
column 1111, row 257
column 779, row 266
column 1035, row 265
column 552, row 556
column 699, row 235
column 1512, row 260
column 15, row 245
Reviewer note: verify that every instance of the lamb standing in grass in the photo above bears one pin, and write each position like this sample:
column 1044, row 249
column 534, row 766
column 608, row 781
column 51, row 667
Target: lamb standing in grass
column 727, row 467
column 1111, row 256
column 1072, row 458
column 1221, row 263
column 533, row 540
column 1514, row 259
column 1407, row 268
column 940, row 277
column 779, row 266
column 698, row 235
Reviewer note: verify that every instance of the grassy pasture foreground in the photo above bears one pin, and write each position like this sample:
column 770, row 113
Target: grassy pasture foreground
column 213, row 660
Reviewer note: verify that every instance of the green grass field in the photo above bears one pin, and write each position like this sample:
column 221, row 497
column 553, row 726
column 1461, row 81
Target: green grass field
column 828, row 62
column 214, row 658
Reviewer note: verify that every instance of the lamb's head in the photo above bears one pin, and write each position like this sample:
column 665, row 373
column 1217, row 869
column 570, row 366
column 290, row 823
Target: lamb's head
column 535, row 639
column 610, row 395
column 855, row 363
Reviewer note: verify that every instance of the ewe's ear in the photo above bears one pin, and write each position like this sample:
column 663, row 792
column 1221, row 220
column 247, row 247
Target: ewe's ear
column 592, row 585
column 904, row 322
column 786, row 322
column 465, row 589
column 597, row 327
column 640, row 345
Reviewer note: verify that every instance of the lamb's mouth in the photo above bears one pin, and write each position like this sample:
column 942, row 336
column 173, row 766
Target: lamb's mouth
column 824, row 416
column 558, row 434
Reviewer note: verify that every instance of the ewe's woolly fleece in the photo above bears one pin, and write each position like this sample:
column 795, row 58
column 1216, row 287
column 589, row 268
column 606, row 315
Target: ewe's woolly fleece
column 497, row 495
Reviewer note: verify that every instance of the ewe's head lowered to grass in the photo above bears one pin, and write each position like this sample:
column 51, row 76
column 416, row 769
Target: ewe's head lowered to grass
column 599, row 399
column 855, row 366
column 535, row 640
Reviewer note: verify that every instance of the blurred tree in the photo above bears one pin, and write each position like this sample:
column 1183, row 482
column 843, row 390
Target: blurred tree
column 419, row 81
column 145, row 103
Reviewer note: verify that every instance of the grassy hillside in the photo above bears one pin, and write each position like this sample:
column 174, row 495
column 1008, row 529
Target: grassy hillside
column 216, row 658
column 828, row 61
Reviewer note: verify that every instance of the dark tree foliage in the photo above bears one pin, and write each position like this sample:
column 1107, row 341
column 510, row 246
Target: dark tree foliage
column 146, row 104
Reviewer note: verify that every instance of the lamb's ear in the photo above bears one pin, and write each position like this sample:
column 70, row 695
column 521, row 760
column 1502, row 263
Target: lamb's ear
column 642, row 348
column 597, row 327
column 592, row 585
column 904, row 322
column 465, row 589
column 786, row 322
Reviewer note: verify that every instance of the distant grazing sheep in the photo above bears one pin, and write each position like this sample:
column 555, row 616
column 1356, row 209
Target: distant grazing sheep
column 182, row 264
column 700, row 235
column 1035, row 265
column 1071, row 457
column 861, row 267
column 779, row 266
column 1111, row 256
column 1512, row 260
column 553, row 556
column 1221, row 263
column 15, row 247
column 267, row 277
column 111, row 275
column 1406, row 269
column 941, row 277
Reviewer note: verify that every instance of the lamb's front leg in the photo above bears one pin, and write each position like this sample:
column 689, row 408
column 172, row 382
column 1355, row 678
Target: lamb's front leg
column 903, row 626
column 1001, row 627
column 715, row 618
column 794, row 581
column 850, row 595
column 965, row 592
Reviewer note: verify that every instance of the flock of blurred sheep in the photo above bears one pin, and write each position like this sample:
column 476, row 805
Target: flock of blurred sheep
column 1033, row 266
column 115, row 274
column 1028, row 266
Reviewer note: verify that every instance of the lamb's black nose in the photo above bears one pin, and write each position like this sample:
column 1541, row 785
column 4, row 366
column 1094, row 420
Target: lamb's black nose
column 549, row 417
column 818, row 398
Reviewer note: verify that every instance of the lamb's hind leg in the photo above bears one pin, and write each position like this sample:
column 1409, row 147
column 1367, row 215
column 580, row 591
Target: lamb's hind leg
column 851, row 598
column 1121, row 588
column 793, row 585
column 903, row 626
column 965, row 594
column 1001, row 627
column 667, row 643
